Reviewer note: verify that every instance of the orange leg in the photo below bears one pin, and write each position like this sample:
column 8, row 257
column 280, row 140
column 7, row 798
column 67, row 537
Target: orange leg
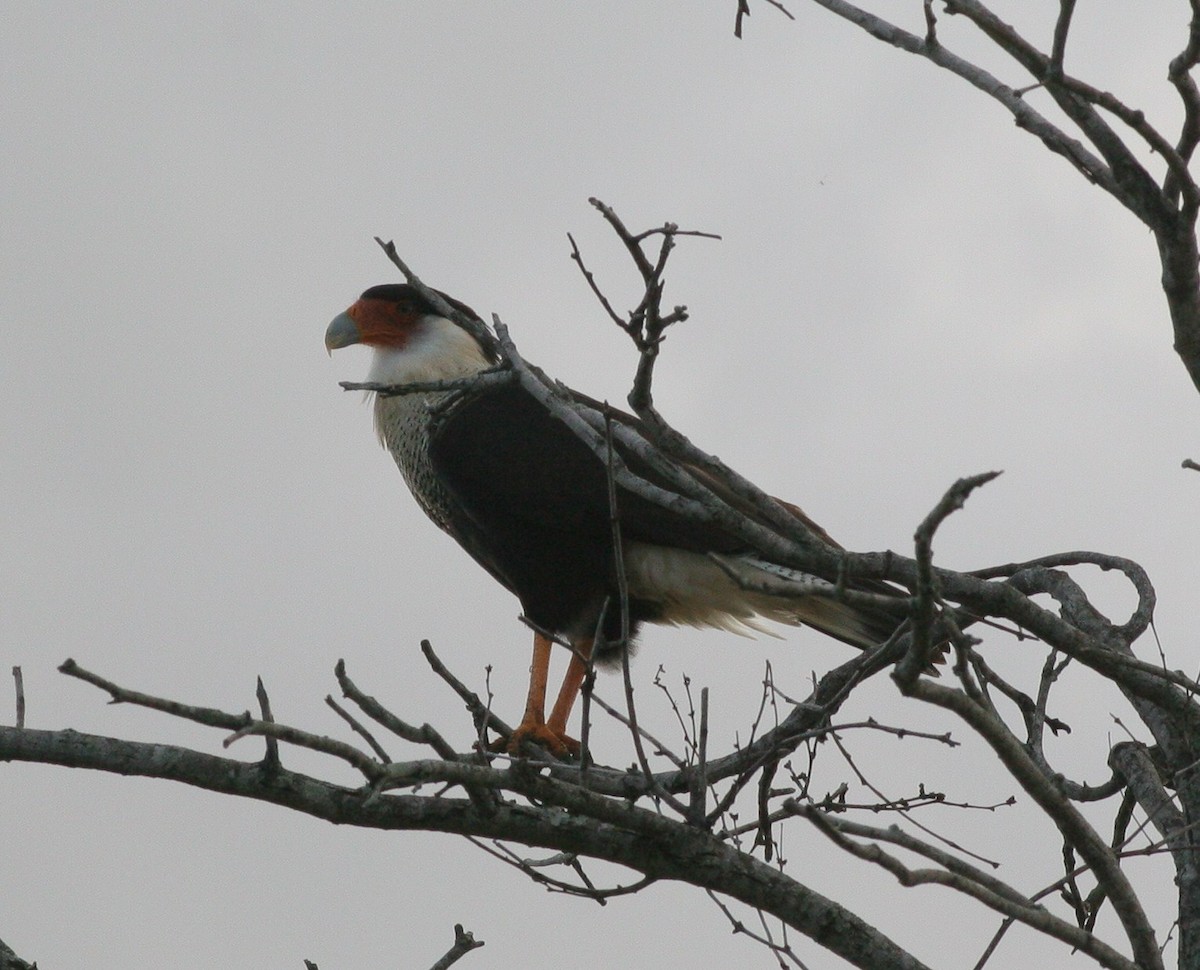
column 551, row 734
column 572, row 681
column 539, row 672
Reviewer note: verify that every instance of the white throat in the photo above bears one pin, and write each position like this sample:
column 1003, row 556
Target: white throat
column 438, row 350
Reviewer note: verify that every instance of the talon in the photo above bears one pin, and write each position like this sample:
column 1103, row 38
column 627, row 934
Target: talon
column 540, row 734
column 550, row 734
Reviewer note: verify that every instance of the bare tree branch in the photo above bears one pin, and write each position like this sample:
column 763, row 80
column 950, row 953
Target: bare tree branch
column 641, row 840
column 1070, row 822
column 1170, row 210
column 19, row 685
column 464, row 943
column 10, row 961
column 963, row 878
column 675, row 815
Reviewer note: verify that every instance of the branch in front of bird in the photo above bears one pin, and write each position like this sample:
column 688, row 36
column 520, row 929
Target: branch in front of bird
column 493, row 377
column 588, row 424
column 476, row 328
column 646, row 326
column 927, row 612
column 806, row 717
column 690, row 495
column 694, row 497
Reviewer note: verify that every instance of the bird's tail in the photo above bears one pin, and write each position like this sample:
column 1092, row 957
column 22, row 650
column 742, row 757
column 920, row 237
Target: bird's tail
column 794, row 597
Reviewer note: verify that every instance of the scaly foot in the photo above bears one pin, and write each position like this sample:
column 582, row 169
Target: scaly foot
column 541, row 734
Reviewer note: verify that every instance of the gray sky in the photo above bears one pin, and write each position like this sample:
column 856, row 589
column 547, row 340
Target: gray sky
column 908, row 290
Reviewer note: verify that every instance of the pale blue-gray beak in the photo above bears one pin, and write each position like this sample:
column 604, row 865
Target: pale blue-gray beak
column 342, row 332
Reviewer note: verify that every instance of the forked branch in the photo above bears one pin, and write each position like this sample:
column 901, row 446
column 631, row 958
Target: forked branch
column 1096, row 136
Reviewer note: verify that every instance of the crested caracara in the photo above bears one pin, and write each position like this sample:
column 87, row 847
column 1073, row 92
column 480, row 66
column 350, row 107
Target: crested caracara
column 529, row 501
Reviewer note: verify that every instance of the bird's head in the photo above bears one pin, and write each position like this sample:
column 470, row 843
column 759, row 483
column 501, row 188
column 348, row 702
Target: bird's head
column 411, row 340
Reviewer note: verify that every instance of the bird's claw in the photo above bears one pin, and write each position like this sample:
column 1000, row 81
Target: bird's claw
column 540, row 734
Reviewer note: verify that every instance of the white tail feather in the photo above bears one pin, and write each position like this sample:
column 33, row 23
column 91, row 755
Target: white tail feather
column 736, row 593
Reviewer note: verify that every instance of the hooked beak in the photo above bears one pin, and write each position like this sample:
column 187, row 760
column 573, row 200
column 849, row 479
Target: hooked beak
column 342, row 332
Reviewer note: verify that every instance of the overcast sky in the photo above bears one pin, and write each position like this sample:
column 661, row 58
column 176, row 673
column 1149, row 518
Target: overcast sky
column 908, row 290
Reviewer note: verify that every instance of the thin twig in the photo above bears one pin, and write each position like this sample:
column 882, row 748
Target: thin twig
column 120, row 695
column 482, row 713
column 866, row 783
column 425, row 734
column 590, row 277
column 963, row 878
column 656, row 790
column 655, row 783
column 485, row 379
column 370, row 768
column 19, row 684
column 781, row 952
column 928, row 593
column 271, row 758
column 464, row 943
column 475, row 327
column 358, row 728
column 697, row 804
column 1061, row 28
column 531, row 868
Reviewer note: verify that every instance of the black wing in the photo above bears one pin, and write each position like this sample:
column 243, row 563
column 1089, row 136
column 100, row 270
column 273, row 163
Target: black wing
column 530, row 504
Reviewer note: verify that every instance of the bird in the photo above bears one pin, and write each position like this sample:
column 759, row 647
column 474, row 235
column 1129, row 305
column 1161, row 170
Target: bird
column 530, row 501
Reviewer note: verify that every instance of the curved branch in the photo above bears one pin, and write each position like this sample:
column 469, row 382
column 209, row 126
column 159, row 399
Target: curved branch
column 1170, row 211
column 1074, row 827
column 1179, row 74
column 964, row 878
column 1026, row 117
column 1137, row 190
column 638, row 839
column 464, row 943
column 10, row 961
